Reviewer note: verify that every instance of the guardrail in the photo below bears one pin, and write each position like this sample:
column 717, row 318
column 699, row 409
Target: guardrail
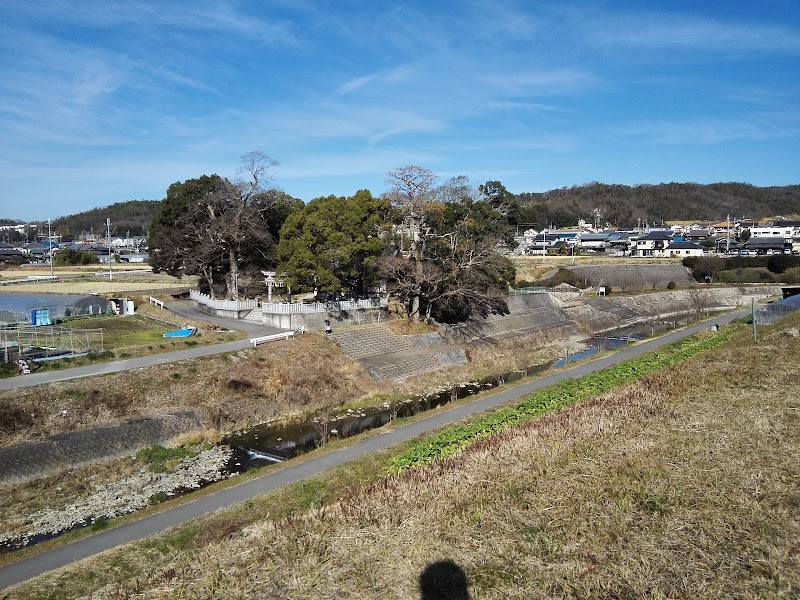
column 30, row 279
column 285, row 335
column 157, row 302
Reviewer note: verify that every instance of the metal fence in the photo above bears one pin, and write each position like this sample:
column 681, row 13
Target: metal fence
column 46, row 342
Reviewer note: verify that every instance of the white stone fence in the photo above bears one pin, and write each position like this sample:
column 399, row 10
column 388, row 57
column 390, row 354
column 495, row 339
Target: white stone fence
column 235, row 305
column 320, row 307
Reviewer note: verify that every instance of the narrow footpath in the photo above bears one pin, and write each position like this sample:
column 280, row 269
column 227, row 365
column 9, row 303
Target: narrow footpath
column 293, row 472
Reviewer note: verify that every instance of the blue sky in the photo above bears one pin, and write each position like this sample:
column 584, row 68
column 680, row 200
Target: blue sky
column 105, row 101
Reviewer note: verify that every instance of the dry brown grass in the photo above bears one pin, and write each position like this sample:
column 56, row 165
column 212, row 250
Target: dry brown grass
column 233, row 390
column 683, row 485
column 532, row 268
column 493, row 357
column 409, row 327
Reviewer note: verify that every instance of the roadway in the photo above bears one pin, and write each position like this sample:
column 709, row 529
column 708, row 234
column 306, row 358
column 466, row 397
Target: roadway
column 182, row 309
column 314, row 465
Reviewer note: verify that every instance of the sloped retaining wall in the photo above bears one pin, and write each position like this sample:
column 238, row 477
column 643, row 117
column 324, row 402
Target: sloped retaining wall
column 619, row 311
column 72, row 449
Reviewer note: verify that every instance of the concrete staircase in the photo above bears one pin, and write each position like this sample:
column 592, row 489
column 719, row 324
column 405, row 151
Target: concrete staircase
column 370, row 340
column 254, row 316
column 404, row 367
column 622, row 312
column 387, row 355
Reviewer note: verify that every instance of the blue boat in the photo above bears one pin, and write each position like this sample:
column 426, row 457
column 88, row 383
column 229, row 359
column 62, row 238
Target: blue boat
column 180, row 333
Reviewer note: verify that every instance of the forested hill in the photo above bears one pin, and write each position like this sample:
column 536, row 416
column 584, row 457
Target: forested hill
column 623, row 205
column 132, row 217
column 619, row 205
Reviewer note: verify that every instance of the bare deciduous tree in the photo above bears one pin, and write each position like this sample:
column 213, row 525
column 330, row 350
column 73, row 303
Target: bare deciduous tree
column 411, row 192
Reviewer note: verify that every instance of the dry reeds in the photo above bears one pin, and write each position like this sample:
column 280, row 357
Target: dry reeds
column 679, row 485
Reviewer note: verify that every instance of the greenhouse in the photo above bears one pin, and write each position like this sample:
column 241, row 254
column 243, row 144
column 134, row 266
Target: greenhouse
column 44, row 309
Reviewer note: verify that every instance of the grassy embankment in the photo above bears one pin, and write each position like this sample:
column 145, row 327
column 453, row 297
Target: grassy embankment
column 681, row 483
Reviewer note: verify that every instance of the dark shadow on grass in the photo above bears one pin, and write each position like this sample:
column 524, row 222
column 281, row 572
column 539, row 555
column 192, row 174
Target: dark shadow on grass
column 443, row 580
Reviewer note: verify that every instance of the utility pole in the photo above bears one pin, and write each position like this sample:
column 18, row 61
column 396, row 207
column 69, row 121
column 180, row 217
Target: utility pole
column 728, row 248
column 108, row 224
column 753, row 316
column 544, row 243
column 50, row 246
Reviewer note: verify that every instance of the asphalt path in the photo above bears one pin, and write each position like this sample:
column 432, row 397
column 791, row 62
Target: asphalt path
column 293, row 472
column 181, row 309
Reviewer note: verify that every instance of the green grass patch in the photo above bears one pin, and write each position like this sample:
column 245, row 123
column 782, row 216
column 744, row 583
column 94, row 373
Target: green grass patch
column 160, row 460
column 551, row 399
column 119, row 332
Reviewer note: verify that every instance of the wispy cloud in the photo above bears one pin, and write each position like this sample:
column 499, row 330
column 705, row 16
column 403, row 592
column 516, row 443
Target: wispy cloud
column 202, row 15
column 511, row 105
column 394, row 76
column 661, row 31
column 542, row 82
column 704, row 131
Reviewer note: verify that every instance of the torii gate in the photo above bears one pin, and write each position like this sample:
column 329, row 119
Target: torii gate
column 269, row 279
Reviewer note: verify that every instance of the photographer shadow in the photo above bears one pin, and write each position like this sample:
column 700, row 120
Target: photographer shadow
column 443, row 580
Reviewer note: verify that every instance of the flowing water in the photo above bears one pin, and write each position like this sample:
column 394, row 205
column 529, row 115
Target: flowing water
column 275, row 442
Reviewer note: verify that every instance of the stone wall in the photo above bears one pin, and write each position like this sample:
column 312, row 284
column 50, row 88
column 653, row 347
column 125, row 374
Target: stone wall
column 316, row 321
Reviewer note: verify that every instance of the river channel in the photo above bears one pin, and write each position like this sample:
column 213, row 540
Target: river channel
column 275, row 442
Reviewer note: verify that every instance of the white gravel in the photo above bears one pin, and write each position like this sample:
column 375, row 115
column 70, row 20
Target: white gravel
column 124, row 496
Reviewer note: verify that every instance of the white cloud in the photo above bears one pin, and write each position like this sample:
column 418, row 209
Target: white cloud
column 661, row 31
column 704, row 131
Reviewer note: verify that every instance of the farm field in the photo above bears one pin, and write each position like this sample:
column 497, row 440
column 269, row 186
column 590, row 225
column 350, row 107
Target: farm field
column 126, row 278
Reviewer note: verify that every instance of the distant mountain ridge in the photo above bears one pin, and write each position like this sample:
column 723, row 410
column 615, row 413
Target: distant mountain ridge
column 127, row 218
column 617, row 204
column 623, row 205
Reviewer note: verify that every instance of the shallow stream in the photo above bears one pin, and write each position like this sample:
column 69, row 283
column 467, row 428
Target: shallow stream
column 275, row 442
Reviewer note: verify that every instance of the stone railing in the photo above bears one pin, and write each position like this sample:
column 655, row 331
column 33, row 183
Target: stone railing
column 235, row 305
column 319, row 307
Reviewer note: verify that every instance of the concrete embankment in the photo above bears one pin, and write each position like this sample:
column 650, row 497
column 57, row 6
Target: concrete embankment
column 29, row 460
column 603, row 314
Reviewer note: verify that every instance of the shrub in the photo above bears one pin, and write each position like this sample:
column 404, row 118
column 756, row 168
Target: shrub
column 791, row 275
column 239, row 385
column 14, row 417
column 564, row 276
column 157, row 498
column 160, row 459
column 779, row 263
column 740, row 275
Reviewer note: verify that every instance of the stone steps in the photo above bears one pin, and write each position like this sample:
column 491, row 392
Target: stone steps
column 368, row 341
column 254, row 316
column 621, row 311
column 408, row 367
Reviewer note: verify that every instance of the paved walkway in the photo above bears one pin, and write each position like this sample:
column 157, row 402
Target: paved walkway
column 182, row 309
column 293, row 472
